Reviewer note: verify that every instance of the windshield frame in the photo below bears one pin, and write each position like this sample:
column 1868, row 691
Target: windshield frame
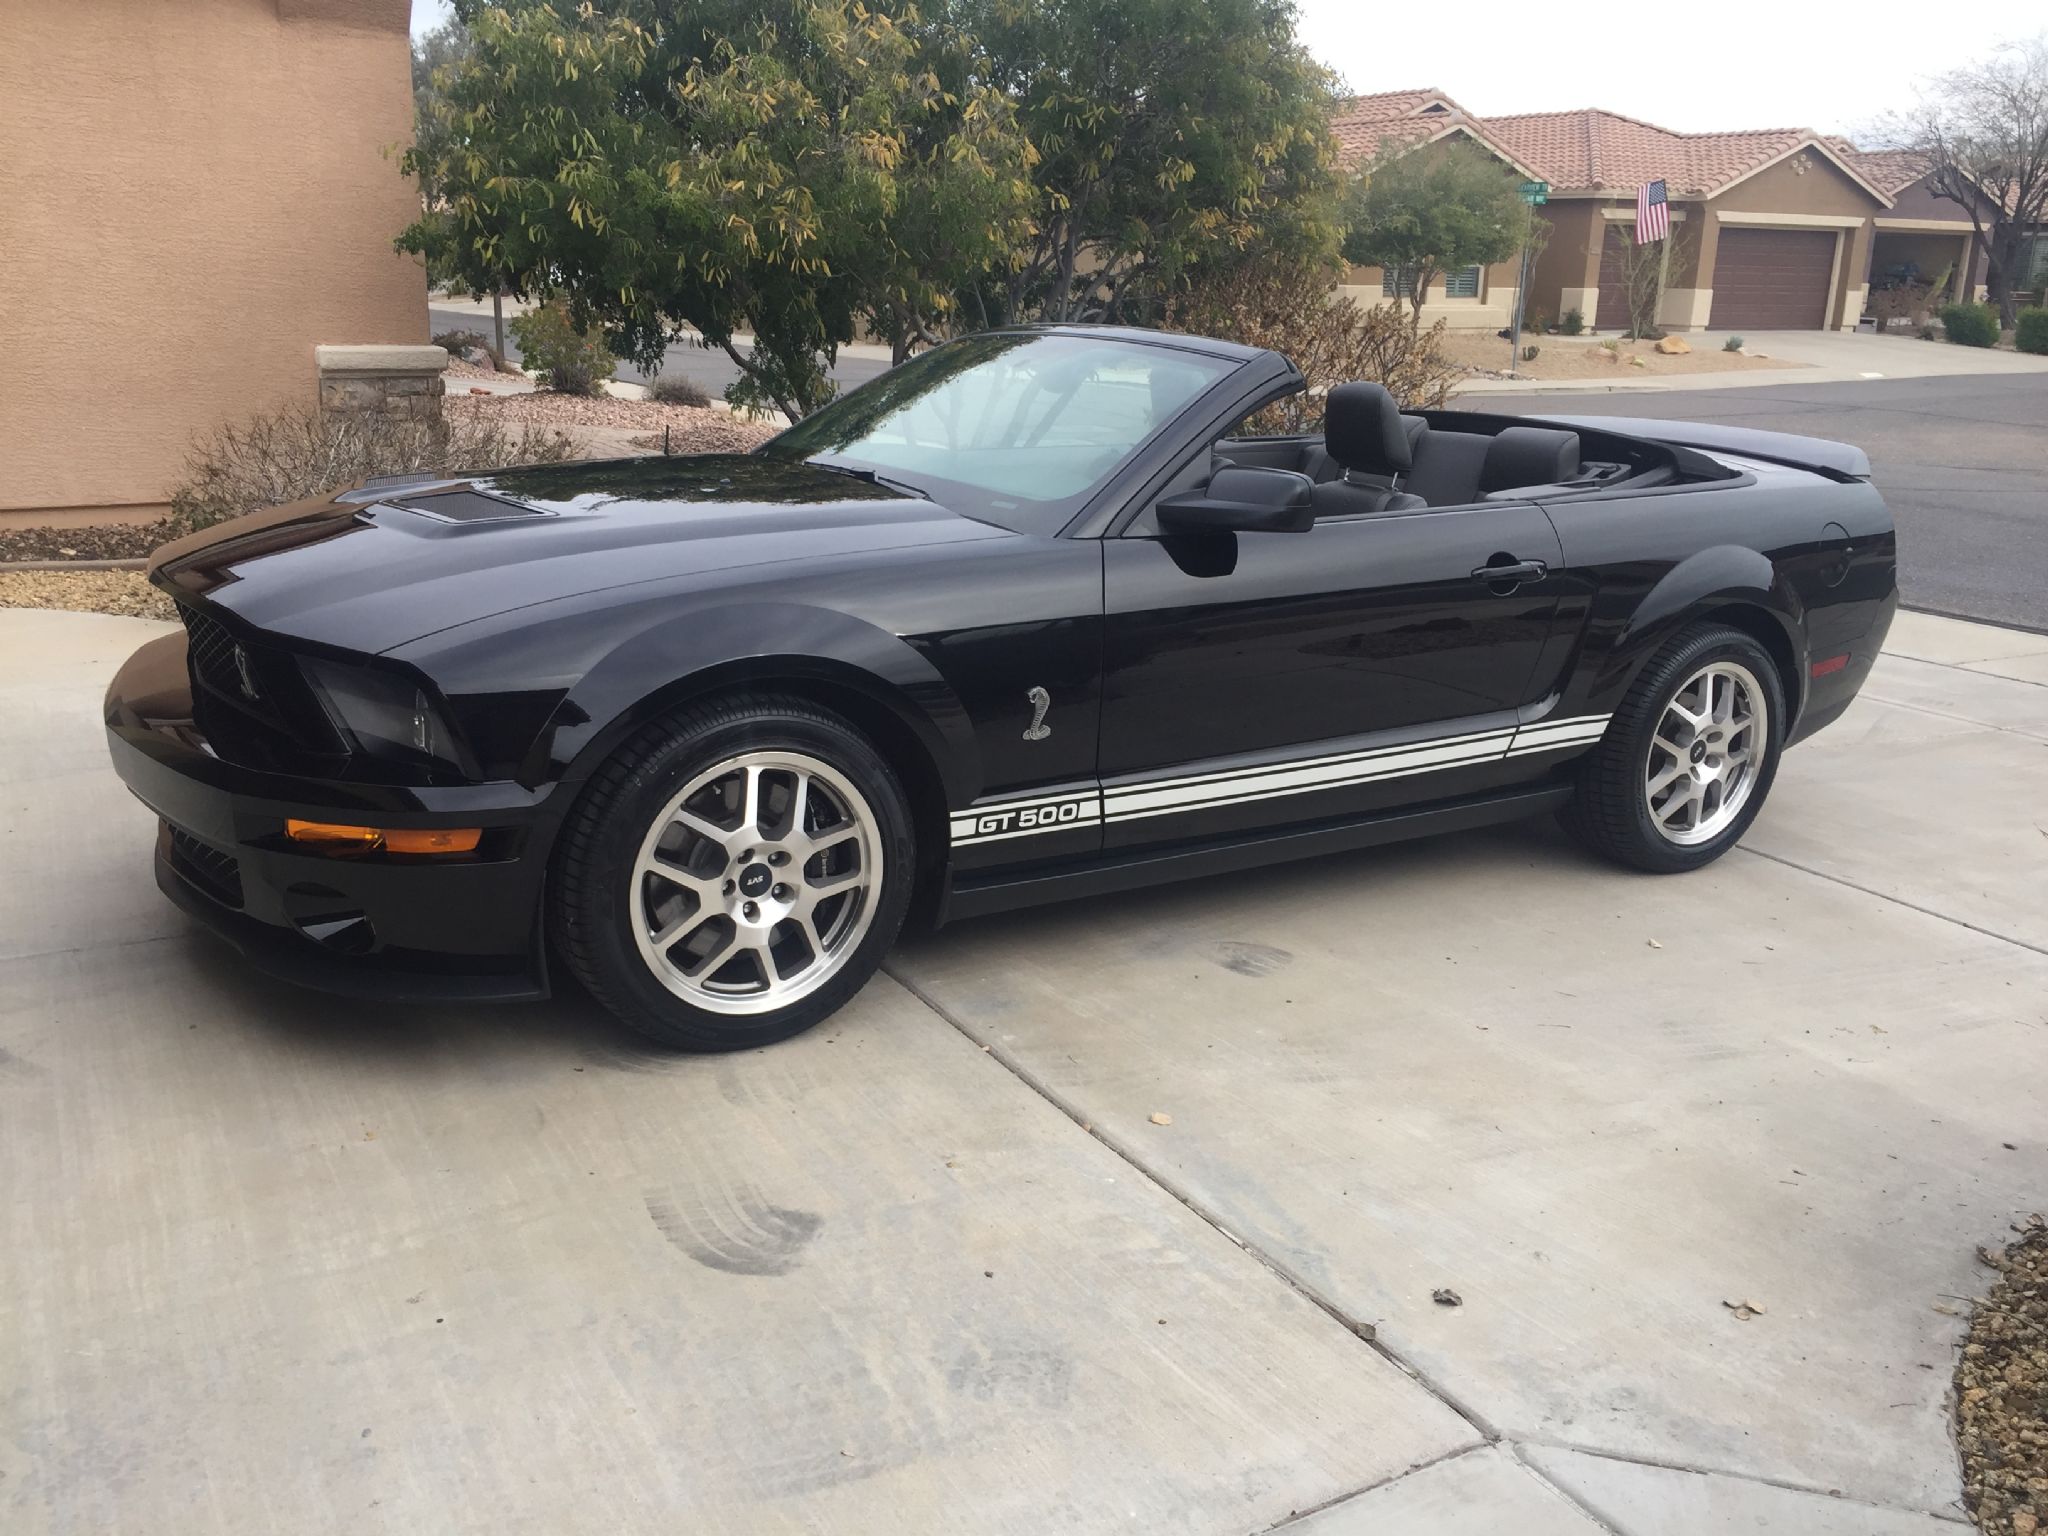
column 1065, row 515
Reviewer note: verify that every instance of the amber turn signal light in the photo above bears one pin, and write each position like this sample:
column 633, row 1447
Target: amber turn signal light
column 337, row 838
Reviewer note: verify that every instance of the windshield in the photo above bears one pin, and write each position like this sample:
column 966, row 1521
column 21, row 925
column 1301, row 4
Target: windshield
column 1017, row 430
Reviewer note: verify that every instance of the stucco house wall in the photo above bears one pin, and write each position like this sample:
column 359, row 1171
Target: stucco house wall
column 195, row 196
column 1491, row 309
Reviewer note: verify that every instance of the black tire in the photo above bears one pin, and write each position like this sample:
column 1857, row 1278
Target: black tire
column 593, row 892
column 1610, row 812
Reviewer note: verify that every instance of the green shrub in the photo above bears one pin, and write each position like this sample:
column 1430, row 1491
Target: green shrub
column 1573, row 323
column 1534, row 323
column 1732, row 344
column 295, row 452
column 1529, row 354
column 680, row 391
column 2032, row 335
column 1970, row 325
column 562, row 357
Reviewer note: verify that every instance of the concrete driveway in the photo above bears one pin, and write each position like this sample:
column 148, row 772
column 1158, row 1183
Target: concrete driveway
column 272, row 1261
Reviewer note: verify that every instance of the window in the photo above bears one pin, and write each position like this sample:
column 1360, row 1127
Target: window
column 1399, row 283
column 1011, row 427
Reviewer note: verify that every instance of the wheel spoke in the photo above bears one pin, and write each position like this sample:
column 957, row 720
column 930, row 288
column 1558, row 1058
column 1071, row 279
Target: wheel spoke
column 713, row 960
column 825, row 842
column 1667, row 778
column 675, row 874
column 799, row 804
column 750, row 801
column 690, row 821
column 673, row 933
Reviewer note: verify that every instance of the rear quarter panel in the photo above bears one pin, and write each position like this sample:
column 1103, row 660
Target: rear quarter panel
column 1812, row 559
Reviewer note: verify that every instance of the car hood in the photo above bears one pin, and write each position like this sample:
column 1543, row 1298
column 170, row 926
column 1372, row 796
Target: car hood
column 375, row 567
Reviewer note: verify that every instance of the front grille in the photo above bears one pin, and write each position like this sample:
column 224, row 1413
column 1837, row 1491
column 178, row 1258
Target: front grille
column 252, row 702
column 214, row 872
column 212, row 652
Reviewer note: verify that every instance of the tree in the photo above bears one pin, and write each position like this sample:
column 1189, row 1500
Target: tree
column 1170, row 134
column 1645, row 269
column 1437, row 209
column 1290, row 307
column 1983, row 134
column 785, row 168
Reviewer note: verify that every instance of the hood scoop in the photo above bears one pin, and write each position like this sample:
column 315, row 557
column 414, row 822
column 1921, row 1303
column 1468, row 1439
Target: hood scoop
column 463, row 505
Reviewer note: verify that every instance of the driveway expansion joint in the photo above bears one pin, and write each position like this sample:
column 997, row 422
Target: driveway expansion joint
column 1900, row 901
column 1515, row 1445
column 1366, row 1332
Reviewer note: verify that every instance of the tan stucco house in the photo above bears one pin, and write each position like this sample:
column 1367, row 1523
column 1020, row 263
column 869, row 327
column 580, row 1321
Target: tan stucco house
column 196, row 196
column 1773, row 229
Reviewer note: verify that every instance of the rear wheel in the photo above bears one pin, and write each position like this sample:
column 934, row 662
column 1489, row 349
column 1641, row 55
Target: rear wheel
column 734, row 874
column 1689, row 757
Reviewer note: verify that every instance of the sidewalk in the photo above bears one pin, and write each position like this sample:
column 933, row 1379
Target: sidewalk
column 1824, row 357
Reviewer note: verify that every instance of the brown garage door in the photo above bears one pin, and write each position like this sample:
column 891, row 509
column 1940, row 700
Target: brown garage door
column 1772, row 279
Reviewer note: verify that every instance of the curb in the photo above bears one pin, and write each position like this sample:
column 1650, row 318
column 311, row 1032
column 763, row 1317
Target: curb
column 138, row 564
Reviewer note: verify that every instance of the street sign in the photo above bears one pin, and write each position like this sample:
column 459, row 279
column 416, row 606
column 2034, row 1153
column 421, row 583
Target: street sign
column 1535, row 192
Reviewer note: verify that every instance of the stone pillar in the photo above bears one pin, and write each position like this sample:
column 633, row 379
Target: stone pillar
column 400, row 381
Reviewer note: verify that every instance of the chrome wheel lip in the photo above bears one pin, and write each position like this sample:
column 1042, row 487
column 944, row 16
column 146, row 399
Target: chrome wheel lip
column 759, row 919
column 1706, row 753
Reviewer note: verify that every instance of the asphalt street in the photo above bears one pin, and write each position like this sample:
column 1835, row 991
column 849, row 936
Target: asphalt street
column 1963, row 463
column 712, row 371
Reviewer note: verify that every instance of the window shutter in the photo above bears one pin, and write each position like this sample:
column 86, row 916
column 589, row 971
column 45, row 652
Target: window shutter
column 1462, row 285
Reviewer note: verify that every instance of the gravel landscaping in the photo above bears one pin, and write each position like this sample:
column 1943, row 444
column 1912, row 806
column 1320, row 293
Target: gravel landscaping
column 127, row 593
column 691, row 429
column 1583, row 357
column 2002, row 1392
column 99, row 541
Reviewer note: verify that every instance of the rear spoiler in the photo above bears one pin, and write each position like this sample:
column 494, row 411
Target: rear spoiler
column 1837, row 461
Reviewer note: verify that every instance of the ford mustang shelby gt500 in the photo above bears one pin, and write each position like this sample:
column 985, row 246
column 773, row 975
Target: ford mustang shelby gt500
column 1030, row 616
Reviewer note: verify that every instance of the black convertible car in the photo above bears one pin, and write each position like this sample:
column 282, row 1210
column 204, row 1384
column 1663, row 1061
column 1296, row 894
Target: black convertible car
column 1029, row 617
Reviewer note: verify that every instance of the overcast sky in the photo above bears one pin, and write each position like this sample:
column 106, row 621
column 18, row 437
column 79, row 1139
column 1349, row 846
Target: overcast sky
column 1714, row 64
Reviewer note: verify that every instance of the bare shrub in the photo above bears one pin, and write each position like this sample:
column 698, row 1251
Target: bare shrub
column 295, row 452
column 1331, row 339
column 680, row 391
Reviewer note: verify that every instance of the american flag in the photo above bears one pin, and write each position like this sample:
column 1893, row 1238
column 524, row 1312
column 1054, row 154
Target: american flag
column 1653, row 214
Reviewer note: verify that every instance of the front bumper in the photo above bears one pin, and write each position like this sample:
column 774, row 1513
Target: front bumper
column 378, row 926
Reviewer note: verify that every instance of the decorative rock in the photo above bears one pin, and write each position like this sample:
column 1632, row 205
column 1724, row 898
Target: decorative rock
column 1673, row 346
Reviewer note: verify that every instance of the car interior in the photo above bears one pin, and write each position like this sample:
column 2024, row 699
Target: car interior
column 1372, row 457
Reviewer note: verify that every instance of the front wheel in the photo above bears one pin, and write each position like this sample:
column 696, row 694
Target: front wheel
column 734, row 874
column 1688, row 758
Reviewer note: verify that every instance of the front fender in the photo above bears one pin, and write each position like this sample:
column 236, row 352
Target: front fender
column 709, row 649
column 584, row 681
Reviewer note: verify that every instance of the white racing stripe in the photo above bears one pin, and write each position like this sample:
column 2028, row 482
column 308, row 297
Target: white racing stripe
column 1068, row 810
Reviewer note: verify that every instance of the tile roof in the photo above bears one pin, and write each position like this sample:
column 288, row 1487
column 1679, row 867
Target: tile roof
column 1591, row 150
column 1891, row 171
column 1363, row 123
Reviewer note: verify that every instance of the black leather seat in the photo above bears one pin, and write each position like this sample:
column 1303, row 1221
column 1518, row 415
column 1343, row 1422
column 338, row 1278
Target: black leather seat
column 1455, row 469
column 1529, row 456
column 1364, row 432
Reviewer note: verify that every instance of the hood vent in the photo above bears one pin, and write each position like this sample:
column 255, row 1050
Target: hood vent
column 464, row 506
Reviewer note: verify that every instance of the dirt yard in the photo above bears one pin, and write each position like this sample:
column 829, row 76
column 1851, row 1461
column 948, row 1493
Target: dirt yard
column 1583, row 357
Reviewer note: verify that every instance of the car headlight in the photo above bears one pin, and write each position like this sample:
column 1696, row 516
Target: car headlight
column 383, row 714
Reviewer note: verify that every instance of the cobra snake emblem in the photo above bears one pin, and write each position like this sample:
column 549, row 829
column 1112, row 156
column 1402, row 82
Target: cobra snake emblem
column 1040, row 702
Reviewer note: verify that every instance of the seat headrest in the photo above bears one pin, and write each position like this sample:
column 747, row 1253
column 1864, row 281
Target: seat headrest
column 1529, row 456
column 1363, row 430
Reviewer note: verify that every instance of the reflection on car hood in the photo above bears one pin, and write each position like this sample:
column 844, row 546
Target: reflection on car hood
column 371, row 569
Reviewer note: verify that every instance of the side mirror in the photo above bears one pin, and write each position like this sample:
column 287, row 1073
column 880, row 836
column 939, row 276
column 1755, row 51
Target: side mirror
column 1242, row 500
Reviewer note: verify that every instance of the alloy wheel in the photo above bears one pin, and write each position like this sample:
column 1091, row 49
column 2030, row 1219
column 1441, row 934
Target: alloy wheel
column 755, row 884
column 1705, row 756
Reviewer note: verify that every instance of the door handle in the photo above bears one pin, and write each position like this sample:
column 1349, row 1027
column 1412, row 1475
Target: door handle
column 1511, row 573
